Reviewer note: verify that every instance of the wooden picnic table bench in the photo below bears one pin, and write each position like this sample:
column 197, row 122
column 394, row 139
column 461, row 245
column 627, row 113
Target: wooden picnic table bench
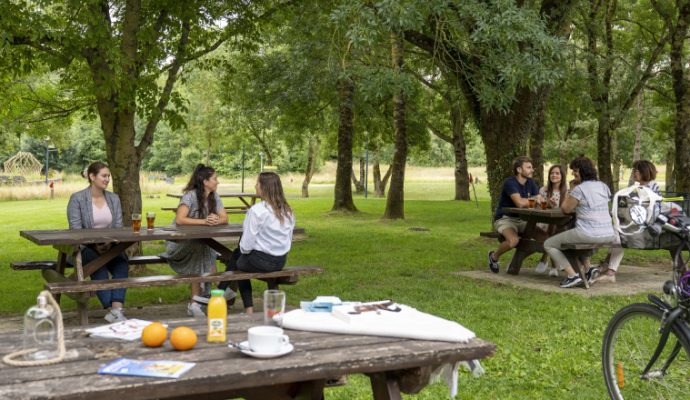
column 576, row 253
column 228, row 209
column 286, row 276
column 68, row 242
column 247, row 199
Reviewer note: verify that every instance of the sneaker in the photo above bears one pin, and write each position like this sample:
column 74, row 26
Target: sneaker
column 592, row 275
column 494, row 266
column 201, row 299
column 541, row 267
column 115, row 315
column 606, row 278
column 230, row 296
column 553, row 272
column 571, row 281
column 194, row 310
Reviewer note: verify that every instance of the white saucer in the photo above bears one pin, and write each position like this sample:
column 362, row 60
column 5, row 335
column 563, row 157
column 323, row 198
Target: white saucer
column 244, row 348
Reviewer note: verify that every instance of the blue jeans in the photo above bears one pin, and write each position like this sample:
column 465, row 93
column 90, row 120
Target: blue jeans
column 117, row 267
column 256, row 261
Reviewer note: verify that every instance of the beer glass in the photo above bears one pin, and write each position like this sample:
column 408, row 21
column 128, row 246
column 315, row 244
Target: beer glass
column 136, row 223
column 150, row 219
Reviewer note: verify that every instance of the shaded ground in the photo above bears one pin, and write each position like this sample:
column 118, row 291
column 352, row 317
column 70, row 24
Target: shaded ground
column 629, row 280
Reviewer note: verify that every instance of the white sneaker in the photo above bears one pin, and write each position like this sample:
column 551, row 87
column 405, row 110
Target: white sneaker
column 115, row 315
column 553, row 272
column 229, row 294
column 194, row 310
column 541, row 267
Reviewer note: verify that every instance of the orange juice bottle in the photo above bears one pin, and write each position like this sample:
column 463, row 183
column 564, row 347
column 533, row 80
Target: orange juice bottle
column 217, row 316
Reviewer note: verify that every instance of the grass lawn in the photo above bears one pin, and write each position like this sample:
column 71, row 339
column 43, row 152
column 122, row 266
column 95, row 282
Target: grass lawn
column 548, row 344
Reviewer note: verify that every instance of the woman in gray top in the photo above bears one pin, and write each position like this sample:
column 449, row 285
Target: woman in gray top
column 95, row 207
column 590, row 202
column 200, row 205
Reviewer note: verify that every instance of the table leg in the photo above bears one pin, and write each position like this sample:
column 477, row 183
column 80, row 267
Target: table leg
column 384, row 387
column 217, row 246
column 60, row 269
column 531, row 241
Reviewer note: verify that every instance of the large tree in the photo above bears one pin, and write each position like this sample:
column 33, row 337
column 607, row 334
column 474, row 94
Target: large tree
column 505, row 57
column 123, row 57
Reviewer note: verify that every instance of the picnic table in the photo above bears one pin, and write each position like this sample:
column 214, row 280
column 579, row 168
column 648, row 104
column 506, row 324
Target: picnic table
column 393, row 365
column 67, row 242
column 530, row 241
column 247, row 199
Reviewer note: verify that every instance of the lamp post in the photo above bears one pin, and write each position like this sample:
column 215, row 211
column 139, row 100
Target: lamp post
column 49, row 148
column 261, row 155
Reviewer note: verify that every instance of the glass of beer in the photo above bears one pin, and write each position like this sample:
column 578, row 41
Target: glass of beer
column 532, row 201
column 544, row 204
column 136, row 223
column 150, row 219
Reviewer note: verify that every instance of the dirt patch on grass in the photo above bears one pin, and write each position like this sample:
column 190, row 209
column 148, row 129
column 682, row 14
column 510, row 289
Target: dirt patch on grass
column 629, row 280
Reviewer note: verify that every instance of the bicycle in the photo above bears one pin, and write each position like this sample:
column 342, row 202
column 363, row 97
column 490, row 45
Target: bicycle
column 646, row 347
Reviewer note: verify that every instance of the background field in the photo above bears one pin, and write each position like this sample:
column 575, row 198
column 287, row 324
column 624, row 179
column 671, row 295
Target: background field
column 548, row 343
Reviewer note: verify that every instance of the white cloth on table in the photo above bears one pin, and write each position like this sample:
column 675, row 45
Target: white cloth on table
column 407, row 323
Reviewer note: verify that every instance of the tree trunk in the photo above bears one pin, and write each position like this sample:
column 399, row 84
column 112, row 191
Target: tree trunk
column 359, row 183
column 616, row 163
column 462, row 184
column 682, row 98
column 312, row 153
column 395, row 202
column 638, row 135
column 380, row 184
column 536, row 145
column 505, row 138
column 343, row 190
column 670, row 170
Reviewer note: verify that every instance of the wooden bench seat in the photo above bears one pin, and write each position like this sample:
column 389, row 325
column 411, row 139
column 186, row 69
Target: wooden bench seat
column 33, row 265
column 576, row 253
column 287, row 276
column 80, row 291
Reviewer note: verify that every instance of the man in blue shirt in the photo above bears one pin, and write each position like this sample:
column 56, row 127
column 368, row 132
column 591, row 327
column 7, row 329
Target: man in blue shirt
column 516, row 191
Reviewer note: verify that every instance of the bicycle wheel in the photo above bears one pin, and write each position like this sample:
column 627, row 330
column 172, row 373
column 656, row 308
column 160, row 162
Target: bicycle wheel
column 630, row 340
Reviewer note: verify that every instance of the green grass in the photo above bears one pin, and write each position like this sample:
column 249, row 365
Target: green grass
column 548, row 344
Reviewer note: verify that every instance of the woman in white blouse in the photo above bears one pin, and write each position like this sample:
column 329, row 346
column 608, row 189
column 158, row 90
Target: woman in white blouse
column 266, row 237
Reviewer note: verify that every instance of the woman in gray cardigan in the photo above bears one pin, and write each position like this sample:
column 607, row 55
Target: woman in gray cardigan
column 95, row 207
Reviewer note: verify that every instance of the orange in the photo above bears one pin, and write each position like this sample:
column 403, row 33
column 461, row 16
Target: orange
column 154, row 334
column 183, row 338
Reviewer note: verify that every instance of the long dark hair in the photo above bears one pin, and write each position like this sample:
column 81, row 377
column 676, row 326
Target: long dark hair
column 562, row 188
column 585, row 167
column 196, row 184
column 272, row 193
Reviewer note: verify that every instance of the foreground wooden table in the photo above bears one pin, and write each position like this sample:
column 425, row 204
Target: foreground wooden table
column 393, row 365
column 531, row 240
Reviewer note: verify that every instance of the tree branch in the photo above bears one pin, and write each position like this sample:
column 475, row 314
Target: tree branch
column 157, row 113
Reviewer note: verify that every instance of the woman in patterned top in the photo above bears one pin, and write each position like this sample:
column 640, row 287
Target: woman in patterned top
column 200, row 205
column 590, row 202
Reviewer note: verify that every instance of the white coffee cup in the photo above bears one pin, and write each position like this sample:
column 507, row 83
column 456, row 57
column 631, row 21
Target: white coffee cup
column 267, row 339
